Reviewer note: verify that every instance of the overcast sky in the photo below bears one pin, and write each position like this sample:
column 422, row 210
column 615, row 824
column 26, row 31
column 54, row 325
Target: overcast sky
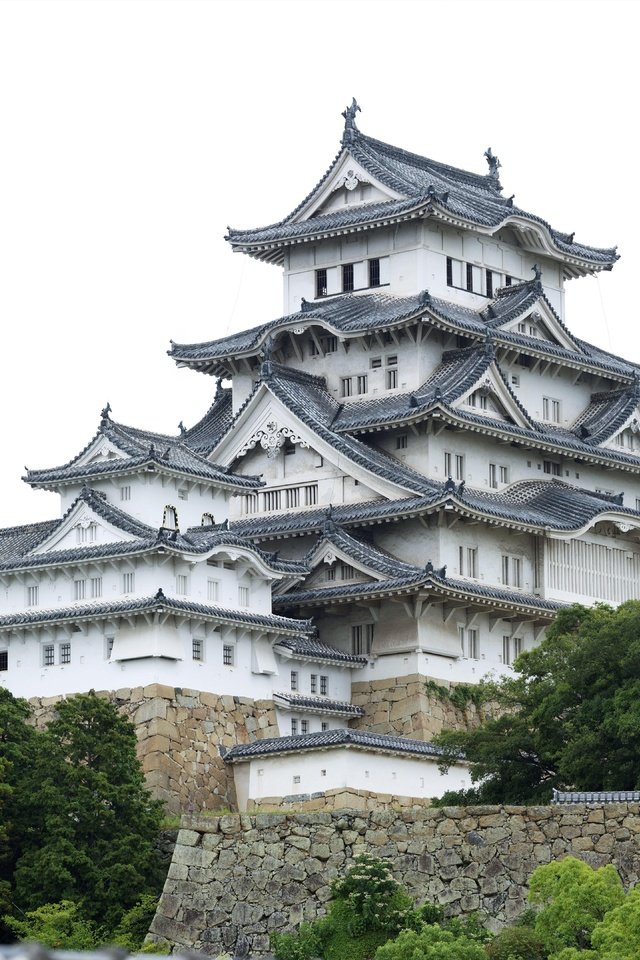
column 135, row 131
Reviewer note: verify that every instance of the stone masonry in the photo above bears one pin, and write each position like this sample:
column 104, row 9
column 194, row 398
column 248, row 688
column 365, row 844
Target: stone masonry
column 404, row 706
column 255, row 873
column 179, row 734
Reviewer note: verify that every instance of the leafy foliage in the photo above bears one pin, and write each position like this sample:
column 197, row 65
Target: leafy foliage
column 58, row 926
column 570, row 718
column 516, row 943
column 81, row 826
column 573, row 898
column 617, row 936
column 431, row 943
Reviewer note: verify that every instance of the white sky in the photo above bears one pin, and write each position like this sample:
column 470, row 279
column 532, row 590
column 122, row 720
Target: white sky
column 134, row 131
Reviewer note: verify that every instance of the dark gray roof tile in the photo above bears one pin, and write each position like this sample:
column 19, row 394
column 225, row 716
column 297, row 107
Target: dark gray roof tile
column 362, row 739
column 298, row 701
column 310, row 648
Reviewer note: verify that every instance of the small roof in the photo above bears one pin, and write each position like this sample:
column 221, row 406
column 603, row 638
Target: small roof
column 416, row 187
column 315, row 650
column 327, row 739
column 143, row 450
column 316, row 705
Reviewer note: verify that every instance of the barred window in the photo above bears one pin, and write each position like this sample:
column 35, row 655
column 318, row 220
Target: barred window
column 48, row 655
column 65, row 653
column 228, row 655
column 196, row 648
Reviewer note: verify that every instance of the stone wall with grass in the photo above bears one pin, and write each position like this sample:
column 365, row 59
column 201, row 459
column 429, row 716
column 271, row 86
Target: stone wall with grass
column 179, row 734
column 410, row 707
column 255, row 873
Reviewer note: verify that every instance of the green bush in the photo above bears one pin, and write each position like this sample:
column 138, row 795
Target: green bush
column 58, row 926
column 431, row 943
column 516, row 943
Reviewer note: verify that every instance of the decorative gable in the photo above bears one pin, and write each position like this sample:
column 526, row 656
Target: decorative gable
column 491, row 397
column 543, row 324
column 100, row 450
column 349, row 184
column 82, row 527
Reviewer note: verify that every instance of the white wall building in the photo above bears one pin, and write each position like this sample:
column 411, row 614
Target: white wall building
column 439, row 462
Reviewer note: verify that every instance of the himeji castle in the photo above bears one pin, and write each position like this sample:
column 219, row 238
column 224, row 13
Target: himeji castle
column 401, row 479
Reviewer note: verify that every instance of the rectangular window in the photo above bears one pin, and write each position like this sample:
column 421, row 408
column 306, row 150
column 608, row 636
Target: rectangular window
column 196, row 649
column 304, row 726
column 392, row 379
column 294, row 733
column 346, row 571
column 213, row 588
column 362, row 383
column 329, row 344
column 311, row 495
column 243, row 596
column 473, row 647
column 470, row 278
column 292, row 497
column 448, row 460
column 468, row 561
column 504, row 474
column 321, row 283
column 449, row 272
column 324, row 685
column 517, row 647
column 108, row 647
column 48, row 655
column 459, row 466
column 87, row 534
column 128, row 582
column 4, row 660
column 489, row 283
column 324, row 726
column 346, row 386
column 347, row 278
column 33, row 596
column 79, row 589
column 313, row 686
column 493, row 476
column 330, row 573
column 552, row 467
column 181, row 584
column 506, row 650
column 65, row 653
column 375, row 363
column 125, row 493
column 402, row 442
column 374, row 272
column 550, row 410
column 361, row 639
column 512, row 571
column 294, row 679
column 96, row 587
column 228, row 655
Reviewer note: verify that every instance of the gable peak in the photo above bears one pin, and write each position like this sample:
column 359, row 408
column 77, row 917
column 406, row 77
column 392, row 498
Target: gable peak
column 350, row 128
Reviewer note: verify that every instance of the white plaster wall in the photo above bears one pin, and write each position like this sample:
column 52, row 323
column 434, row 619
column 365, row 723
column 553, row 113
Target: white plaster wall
column 319, row 770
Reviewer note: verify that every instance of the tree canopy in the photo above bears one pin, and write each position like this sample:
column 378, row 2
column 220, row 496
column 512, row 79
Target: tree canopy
column 81, row 824
column 570, row 718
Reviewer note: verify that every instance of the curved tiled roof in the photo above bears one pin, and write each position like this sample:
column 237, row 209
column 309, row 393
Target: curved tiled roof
column 423, row 185
column 606, row 414
column 141, row 449
column 311, row 648
column 528, row 504
column 361, row 552
column 204, row 435
column 156, row 603
column 307, row 704
column 362, row 739
column 16, row 548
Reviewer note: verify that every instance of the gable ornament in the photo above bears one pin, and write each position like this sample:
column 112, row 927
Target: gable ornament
column 271, row 438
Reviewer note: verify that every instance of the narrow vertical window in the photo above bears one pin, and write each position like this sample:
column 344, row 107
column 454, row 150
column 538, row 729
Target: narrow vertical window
column 294, row 680
column 374, row 272
column 4, row 660
column 48, row 655
column 459, row 466
column 321, row 283
column 304, row 726
column 65, row 653
column 324, row 686
column 125, row 493
column 472, row 645
column 181, row 584
column 96, row 587
column 79, row 589
column 449, row 272
column 212, row 591
column 294, row 733
column 517, row 647
column 470, row 277
column 346, row 386
column 362, row 383
column 493, row 478
column 128, row 582
column 324, row 726
column 392, row 378
column 228, row 655
column 489, row 283
column 243, row 596
column 313, row 685
column 447, row 465
column 347, row 278
column 506, row 650
column 33, row 596
column 196, row 648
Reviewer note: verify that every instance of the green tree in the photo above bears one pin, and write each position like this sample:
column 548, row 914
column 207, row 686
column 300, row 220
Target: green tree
column 89, row 825
column 431, row 943
column 570, row 718
column 574, row 898
column 617, row 936
column 57, row 925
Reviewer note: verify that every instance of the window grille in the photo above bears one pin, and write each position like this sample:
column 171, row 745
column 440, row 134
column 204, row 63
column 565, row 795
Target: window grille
column 374, row 272
column 65, row 653
column 196, row 648
column 228, row 656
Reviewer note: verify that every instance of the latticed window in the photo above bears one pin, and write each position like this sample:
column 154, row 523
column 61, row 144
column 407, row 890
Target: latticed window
column 79, row 589
column 128, row 582
column 65, row 653
column 361, row 639
column 212, row 590
column 4, row 660
column 324, row 686
column 347, row 277
column 243, row 596
column 321, row 283
column 197, row 648
column 228, row 655
column 96, row 587
column 48, row 655
column 374, row 272
column 33, row 596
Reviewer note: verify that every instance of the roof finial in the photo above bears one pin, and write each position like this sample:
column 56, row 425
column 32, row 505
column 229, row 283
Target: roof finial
column 349, row 114
column 104, row 413
column 182, row 428
column 537, row 272
column 494, row 163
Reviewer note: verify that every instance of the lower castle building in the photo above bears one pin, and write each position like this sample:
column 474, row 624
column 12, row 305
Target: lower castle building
column 401, row 479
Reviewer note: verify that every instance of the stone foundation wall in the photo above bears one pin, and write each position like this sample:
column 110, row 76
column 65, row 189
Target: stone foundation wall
column 255, row 873
column 340, row 798
column 179, row 734
column 403, row 706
